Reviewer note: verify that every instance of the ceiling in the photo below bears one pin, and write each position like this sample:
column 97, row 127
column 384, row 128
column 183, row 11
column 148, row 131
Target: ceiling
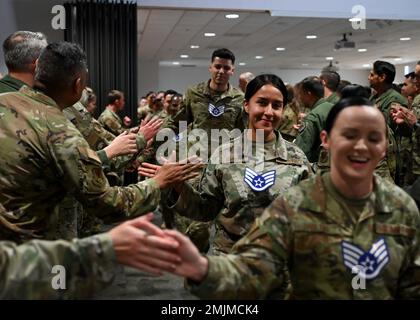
column 164, row 35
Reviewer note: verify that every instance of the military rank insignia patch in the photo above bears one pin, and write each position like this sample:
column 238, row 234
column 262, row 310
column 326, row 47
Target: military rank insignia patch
column 216, row 111
column 177, row 137
column 369, row 262
column 259, row 182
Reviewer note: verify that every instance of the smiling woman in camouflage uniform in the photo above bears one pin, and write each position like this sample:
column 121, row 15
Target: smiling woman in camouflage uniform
column 236, row 189
column 347, row 234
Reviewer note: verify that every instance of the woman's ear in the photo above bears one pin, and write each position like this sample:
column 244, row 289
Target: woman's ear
column 324, row 139
column 246, row 106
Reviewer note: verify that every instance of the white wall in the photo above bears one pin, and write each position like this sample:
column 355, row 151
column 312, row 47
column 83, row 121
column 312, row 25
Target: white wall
column 179, row 78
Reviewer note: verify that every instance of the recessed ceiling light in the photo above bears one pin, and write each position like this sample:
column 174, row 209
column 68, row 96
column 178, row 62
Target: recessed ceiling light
column 311, row 36
column 176, row 63
column 362, row 50
column 305, row 64
column 232, row 16
column 398, row 59
column 259, row 57
column 355, row 19
column 184, row 56
column 405, row 38
column 209, row 34
column 280, row 49
column 329, row 58
column 366, row 65
column 194, row 46
column 242, row 63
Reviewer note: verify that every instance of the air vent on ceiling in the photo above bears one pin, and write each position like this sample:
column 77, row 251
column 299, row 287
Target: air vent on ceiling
column 188, row 65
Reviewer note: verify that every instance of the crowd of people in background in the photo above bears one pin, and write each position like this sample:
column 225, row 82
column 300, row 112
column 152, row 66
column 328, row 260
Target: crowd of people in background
column 332, row 186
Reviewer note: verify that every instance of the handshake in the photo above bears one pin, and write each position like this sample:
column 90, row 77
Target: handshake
column 140, row 244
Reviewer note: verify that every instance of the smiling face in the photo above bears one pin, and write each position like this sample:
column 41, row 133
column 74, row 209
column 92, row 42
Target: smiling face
column 265, row 109
column 357, row 142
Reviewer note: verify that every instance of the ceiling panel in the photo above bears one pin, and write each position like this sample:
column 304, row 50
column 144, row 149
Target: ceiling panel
column 165, row 34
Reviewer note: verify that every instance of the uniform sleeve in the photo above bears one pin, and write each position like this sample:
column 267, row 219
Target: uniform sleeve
column 26, row 270
column 80, row 171
column 205, row 203
column 111, row 125
column 306, row 139
column 256, row 268
column 101, row 132
column 409, row 282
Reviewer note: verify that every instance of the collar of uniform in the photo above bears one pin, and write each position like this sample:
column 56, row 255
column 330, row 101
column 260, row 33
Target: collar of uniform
column 38, row 96
column 206, row 90
column 383, row 96
column 12, row 82
column 280, row 148
column 316, row 104
column 112, row 113
column 316, row 199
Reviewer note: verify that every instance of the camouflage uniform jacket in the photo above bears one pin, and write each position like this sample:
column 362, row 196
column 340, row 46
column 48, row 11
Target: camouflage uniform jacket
column 288, row 119
column 26, row 270
column 225, row 195
column 333, row 98
column 111, row 122
column 303, row 234
column 308, row 138
column 384, row 102
column 98, row 138
column 416, row 138
column 206, row 110
column 10, row 84
column 43, row 157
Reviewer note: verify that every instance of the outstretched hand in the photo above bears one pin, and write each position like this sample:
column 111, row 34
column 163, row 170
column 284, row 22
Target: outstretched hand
column 140, row 244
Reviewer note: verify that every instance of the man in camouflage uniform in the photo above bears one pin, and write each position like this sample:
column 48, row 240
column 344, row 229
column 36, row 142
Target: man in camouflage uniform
column 330, row 80
column 381, row 78
column 21, row 49
column 89, row 264
column 290, row 116
column 311, row 92
column 45, row 156
column 143, row 108
column 213, row 104
column 109, row 118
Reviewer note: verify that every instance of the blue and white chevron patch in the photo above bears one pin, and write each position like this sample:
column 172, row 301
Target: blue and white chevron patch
column 216, row 111
column 259, row 182
column 371, row 262
column 177, row 137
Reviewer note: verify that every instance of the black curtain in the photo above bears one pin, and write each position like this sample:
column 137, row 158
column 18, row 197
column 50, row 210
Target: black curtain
column 107, row 31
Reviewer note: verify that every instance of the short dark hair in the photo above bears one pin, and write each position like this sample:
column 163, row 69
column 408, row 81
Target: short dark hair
column 354, row 90
column 22, row 48
column 353, row 101
column 114, row 95
column 223, row 54
column 60, row 63
column 259, row 81
column 385, row 68
column 313, row 85
column 331, row 78
column 411, row 76
column 169, row 91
